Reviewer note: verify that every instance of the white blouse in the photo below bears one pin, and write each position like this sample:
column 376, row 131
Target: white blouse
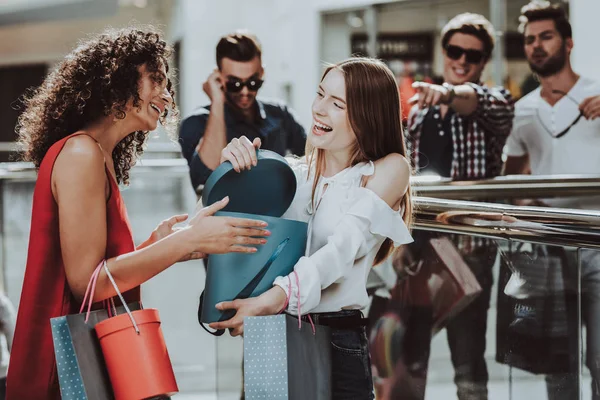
column 345, row 230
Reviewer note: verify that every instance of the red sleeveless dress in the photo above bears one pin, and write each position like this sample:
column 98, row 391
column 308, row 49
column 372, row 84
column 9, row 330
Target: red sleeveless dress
column 46, row 294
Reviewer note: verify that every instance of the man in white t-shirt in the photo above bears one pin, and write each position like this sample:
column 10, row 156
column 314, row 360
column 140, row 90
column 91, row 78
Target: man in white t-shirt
column 557, row 131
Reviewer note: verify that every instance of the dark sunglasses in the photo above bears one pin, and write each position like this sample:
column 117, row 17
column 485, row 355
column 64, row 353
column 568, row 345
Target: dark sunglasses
column 236, row 85
column 564, row 131
column 472, row 56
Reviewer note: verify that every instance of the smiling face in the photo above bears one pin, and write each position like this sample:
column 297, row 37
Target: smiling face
column 331, row 128
column 461, row 70
column 154, row 98
column 241, row 71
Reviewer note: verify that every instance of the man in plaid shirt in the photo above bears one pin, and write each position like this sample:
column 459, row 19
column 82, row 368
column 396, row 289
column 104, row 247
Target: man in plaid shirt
column 457, row 130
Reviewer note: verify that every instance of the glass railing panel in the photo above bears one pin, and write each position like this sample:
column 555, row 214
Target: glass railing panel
column 539, row 320
column 513, row 337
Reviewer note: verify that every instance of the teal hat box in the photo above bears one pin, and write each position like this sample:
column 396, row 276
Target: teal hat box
column 264, row 192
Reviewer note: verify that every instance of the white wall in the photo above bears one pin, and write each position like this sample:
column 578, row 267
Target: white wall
column 335, row 38
column 586, row 53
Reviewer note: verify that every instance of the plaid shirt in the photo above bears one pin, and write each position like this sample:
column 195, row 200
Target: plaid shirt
column 477, row 139
column 477, row 144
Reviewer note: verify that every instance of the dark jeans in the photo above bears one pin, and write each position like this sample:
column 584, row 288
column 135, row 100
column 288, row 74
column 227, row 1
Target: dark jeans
column 466, row 332
column 351, row 365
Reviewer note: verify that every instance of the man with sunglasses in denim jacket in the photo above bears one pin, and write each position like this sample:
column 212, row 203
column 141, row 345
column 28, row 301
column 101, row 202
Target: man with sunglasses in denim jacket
column 557, row 131
column 457, row 130
column 235, row 111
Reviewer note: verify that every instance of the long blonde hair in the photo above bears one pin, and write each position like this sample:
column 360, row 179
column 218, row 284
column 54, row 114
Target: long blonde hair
column 373, row 105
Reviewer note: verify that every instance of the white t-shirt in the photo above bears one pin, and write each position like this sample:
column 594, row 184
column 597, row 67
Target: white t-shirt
column 577, row 152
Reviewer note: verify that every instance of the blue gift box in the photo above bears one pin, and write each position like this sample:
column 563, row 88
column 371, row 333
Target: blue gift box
column 265, row 192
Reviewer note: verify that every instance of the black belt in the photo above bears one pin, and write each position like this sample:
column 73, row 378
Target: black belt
column 345, row 319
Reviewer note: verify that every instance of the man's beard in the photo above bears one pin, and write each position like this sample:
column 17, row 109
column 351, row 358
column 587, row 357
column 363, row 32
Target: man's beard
column 231, row 99
column 553, row 65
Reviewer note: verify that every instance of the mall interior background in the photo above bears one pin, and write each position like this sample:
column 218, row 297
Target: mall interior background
column 298, row 38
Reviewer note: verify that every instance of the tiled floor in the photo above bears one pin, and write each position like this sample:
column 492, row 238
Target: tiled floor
column 527, row 389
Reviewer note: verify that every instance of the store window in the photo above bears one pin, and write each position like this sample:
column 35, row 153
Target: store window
column 14, row 81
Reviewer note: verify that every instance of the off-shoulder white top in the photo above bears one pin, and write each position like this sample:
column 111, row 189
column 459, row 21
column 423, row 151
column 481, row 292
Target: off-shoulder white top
column 346, row 228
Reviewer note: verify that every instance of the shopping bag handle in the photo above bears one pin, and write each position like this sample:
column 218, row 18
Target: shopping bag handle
column 218, row 332
column 299, row 304
column 89, row 291
column 110, row 277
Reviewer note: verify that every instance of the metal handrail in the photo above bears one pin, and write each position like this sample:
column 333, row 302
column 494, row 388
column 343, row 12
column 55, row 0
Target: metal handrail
column 545, row 225
column 508, row 187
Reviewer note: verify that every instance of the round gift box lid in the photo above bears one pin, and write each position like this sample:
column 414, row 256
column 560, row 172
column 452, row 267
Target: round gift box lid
column 267, row 189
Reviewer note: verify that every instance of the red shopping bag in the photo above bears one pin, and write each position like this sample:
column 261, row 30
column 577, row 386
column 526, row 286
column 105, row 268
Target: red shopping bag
column 135, row 353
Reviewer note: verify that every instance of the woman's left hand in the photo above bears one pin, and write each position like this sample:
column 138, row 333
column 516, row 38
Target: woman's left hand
column 164, row 229
column 268, row 303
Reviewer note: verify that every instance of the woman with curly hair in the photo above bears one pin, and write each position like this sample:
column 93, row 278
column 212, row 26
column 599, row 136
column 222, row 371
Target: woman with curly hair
column 83, row 128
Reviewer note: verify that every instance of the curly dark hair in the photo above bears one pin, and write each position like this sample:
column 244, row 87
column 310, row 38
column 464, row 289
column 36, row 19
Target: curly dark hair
column 96, row 80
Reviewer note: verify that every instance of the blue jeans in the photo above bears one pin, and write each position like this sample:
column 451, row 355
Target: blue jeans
column 351, row 365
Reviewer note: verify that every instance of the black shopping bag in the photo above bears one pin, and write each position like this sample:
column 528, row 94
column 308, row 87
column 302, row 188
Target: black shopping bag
column 537, row 312
column 285, row 360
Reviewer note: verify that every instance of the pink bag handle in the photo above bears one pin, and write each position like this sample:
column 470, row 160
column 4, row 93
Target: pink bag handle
column 127, row 310
column 90, row 290
column 110, row 307
column 300, row 308
column 287, row 302
column 287, row 299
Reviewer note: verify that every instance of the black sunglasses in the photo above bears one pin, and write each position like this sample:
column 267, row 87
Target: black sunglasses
column 234, row 85
column 564, row 131
column 472, row 56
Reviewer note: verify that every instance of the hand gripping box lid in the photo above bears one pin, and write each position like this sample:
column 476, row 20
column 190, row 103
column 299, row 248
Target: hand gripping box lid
column 264, row 192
